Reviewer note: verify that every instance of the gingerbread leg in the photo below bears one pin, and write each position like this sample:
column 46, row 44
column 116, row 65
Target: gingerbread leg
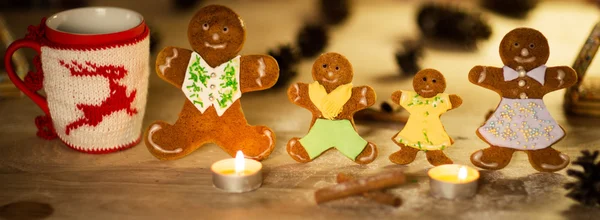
column 297, row 151
column 256, row 142
column 169, row 142
column 368, row 155
column 548, row 159
column 437, row 157
column 492, row 158
column 405, row 155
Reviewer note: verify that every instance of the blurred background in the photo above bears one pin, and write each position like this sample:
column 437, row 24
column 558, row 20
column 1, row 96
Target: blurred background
column 385, row 39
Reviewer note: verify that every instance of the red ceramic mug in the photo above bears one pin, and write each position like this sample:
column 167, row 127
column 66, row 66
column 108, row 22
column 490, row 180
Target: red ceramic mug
column 93, row 65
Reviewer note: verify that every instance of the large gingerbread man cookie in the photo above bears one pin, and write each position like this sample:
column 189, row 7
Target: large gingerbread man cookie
column 424, row 130
column 333, row 101
column 521, row 121
column 213, row 77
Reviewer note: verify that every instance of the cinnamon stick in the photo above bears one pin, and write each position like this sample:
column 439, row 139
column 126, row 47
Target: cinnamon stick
column 359, row 186
column 376, row 196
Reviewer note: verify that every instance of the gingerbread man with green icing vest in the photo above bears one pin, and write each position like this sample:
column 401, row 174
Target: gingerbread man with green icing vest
column 521, row 122
column 333, row 101
column 213, row 77
column 424, row 130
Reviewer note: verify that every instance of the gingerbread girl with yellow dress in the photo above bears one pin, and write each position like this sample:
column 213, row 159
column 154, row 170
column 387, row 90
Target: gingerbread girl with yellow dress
column 424, row 130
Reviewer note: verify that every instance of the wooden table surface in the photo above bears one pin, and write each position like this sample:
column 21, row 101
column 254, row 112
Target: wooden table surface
column 134, row 184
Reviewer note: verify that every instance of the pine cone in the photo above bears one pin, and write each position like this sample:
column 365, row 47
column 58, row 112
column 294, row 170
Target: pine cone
column 287, row 57
column 586, row 189
column 312, row 39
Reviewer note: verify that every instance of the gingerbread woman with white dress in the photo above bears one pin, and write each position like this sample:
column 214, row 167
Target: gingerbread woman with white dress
column 521, row 121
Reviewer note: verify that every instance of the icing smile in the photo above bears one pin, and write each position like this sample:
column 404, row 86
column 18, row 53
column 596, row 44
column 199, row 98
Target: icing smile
column 329, row 81
column 524, row 60
column 215, row 46
column 426, row 90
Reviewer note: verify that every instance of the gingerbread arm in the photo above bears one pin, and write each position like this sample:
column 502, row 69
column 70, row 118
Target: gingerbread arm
column 171, row 64
column 396, row 97
column 258, row 72
column 487, row 77
column 362, row 97
column 455, row 100
column 559, row 77
column 298, row 94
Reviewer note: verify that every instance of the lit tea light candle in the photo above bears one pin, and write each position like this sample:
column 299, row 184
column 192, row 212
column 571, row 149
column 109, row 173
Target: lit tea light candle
column 453, row 181
column 237, row 174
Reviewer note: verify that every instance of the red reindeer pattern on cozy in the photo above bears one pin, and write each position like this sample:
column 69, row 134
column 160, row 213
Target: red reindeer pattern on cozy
column 116, row 101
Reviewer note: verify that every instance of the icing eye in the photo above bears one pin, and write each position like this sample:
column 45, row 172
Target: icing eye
column 205, row 26
column 531, row 45
column 516, row 44
column 337, row 68
column 424, row 78
column 324, row 65
column 433, row 80
column 225, row 29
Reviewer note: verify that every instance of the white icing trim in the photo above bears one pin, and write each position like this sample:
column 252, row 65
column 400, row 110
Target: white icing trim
column 215, row 46
column 482, row 75
column 370, row 157
column 363, row 100
column 560, row 77
column 292, row 143
column 426, row 91
column 477, row 157
column 261, row 71
column 565, row 162
column 297, row 91
column 153, row 129
column 167, row 64
column 524, row 60
column 269, row 135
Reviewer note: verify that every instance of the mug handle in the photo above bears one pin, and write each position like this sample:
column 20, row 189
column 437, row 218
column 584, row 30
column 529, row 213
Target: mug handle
column 33, row 95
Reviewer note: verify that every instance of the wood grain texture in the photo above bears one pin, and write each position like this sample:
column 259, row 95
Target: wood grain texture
column 133, row 184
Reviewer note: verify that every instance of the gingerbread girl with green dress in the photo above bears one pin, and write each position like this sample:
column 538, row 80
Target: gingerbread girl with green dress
column 424, row 130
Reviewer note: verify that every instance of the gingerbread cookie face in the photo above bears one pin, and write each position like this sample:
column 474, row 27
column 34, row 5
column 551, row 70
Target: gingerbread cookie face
column 429, row 82
column 332, row 70
column 524, row 47
column 333, row 100
column 216, row 33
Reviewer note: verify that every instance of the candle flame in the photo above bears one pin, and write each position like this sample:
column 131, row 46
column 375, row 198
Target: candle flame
column 239, row 162
column 462, row 173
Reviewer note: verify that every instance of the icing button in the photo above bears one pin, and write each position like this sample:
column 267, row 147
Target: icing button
column 522, row 73
column 521, row 83
column 213, row 75
column 211, row 98
column 523, row 95
column 212, row 86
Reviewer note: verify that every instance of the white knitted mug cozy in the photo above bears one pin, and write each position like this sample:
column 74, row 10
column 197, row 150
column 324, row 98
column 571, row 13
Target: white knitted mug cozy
column 95, row 95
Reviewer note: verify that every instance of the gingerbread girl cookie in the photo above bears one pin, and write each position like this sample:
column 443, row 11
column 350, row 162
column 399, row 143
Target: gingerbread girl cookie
column 521, row 121
column 424, row 130
column 333, row 101
column 213, row 77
